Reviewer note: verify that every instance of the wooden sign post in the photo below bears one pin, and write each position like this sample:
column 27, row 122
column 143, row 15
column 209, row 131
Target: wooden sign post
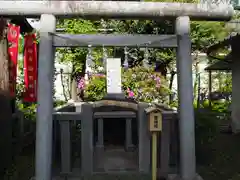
column 155, row 126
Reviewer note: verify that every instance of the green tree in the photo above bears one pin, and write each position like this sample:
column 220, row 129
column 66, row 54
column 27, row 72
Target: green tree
column 75, row 56
column 202, row 33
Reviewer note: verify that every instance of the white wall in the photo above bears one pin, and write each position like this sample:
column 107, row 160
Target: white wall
column 58, row 83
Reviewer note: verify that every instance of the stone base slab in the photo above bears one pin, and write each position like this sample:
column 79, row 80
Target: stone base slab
column 177, row 177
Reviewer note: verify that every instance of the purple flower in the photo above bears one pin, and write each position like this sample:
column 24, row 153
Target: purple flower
column 125, row 65
column 158, row 80
column 89, row 74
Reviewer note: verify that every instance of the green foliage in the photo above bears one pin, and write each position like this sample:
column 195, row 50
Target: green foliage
column 226, row 82
column 75, row 56
column 145, row 84
column 96, row 88
column 221, row 106
column 206, row 125
column 218, row 106
column 204, row 34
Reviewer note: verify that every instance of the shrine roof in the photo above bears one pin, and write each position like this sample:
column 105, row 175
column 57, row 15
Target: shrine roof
column 224, row 63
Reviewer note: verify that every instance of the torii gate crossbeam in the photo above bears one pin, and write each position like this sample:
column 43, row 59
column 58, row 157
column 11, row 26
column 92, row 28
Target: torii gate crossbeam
column 115, row 10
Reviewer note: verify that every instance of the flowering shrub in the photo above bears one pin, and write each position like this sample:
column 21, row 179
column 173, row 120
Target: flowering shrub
column 144, row 84
column 95, row 89
column 138, row 83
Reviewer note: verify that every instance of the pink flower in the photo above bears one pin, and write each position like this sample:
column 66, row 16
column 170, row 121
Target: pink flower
column 81, row 83
column 130, row 93
column 158, row 81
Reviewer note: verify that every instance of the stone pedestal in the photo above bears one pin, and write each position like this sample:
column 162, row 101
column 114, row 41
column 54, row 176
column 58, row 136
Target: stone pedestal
column 100, row 138
column 128, row 139
column 144, row 140
column 118, row 96
column 87, row 139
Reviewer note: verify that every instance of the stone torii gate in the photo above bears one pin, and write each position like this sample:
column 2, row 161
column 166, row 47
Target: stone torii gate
column 48, row 11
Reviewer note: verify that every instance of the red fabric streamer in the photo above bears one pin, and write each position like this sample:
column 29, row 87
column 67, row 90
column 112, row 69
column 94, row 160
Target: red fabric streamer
column 13, row 40
column 30, row 68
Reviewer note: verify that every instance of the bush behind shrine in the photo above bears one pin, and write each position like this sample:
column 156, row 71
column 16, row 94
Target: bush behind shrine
column 139, row 83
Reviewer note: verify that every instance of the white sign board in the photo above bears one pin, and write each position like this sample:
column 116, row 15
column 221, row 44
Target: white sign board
column 114, row 83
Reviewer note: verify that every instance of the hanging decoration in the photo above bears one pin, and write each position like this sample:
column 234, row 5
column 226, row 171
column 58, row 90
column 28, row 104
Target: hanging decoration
column 13, row 40
column 125, row 64
column 30, row 68
column 105, row 56
column 89, row 64
column 146, row 57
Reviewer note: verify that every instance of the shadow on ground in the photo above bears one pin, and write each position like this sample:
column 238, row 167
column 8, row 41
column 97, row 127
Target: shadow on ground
column 224, row 165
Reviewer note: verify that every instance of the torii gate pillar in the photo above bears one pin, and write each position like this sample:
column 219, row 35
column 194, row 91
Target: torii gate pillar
column 185, row 95
column 45, row 99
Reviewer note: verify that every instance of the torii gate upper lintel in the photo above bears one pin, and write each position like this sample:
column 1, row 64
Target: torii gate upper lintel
column 116, row 10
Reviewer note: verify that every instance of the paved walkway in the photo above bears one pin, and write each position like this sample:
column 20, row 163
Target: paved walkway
column 115, row 159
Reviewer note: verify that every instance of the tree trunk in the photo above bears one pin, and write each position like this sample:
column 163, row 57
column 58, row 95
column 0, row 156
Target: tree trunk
column 161, row 68
column 196, row 64
column 4, row 63
column 5, row 101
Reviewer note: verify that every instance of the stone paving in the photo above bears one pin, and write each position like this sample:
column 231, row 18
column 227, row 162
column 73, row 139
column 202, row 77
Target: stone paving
column 115, row 159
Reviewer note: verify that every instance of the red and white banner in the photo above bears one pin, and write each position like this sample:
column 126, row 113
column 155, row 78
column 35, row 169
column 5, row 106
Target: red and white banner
column 13, row 40
column 30, row 68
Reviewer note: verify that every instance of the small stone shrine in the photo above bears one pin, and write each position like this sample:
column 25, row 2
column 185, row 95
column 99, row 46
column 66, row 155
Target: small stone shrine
column 97, row 155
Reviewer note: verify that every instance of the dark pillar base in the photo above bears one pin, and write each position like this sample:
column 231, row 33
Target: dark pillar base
column 130, row 148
